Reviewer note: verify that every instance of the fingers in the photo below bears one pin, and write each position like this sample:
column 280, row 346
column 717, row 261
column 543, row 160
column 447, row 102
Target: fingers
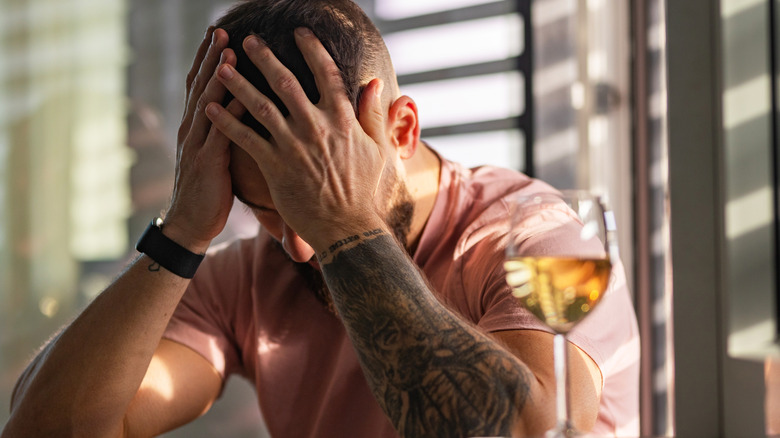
column 209, row 90
column 261, row 107
column 228, row 123
column 199, row 56
column 370, row 111
column 214, row 92
column 217, row 141
column 284, row 83
column 280, row 78
column 371, row 117
column 327, row 76
column 205, row 70
column 326, row 73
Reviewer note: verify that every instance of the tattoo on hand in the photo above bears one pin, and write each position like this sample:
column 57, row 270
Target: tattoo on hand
column 432, row 373
column 154, row 267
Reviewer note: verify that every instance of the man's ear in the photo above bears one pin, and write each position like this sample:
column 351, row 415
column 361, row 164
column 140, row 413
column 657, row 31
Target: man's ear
column 404, row 126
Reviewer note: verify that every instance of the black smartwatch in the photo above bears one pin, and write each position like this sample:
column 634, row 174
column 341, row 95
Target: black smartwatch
column 167, row 253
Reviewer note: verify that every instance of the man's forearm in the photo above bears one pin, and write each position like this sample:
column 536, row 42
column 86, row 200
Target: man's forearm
column 86, row 376
column 433, row 373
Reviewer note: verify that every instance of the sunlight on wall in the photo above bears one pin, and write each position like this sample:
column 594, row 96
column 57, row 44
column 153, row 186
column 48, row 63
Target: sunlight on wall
column 746, row 101
column 749, row 190
column 749, row 213
column 730, row 8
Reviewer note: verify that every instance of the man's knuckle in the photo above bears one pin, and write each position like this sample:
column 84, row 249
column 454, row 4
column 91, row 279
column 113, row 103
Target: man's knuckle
column 345, row 123
column 263, row 56
column 190, row 79
column 193, row 89
column 184, row 129
column 263, row 110
column 333, row 74
column 246, row 137
column 286, row 83
column 200, row 104
column 319, row 131
column 344, row 110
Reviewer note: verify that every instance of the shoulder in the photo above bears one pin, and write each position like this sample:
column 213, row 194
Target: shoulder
column 483, row 196
column 468, row 233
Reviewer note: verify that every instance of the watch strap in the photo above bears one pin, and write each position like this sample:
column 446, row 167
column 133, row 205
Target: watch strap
column 167, row 253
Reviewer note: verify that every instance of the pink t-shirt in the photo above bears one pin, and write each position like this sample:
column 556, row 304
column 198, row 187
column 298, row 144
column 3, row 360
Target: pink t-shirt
column 249, row 312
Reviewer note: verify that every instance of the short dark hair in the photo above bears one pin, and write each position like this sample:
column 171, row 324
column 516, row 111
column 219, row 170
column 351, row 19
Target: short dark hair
column 347, row 33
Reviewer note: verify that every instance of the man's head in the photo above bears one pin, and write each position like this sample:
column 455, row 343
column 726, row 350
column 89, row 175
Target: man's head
column 350, row 37
column 358, row 50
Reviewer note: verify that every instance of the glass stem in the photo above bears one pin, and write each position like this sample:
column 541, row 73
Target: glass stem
column 560, row 354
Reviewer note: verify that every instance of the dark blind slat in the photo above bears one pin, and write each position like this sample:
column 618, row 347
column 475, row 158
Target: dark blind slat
column 461, row 71
column 445, row 17
column 474, row 127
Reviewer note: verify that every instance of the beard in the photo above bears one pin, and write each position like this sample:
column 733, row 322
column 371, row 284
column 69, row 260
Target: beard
column 398, row 218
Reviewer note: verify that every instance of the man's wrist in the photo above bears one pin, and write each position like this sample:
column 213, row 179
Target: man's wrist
column 179, row 235
column 341, row 238
column 167, row 253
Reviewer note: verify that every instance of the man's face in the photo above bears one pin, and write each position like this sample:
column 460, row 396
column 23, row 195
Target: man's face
column 250, row 187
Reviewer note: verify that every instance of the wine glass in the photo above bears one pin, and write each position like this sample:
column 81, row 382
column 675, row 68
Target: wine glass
column 559, row 262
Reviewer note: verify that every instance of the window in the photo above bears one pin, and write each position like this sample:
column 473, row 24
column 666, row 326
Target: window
column 467, row 65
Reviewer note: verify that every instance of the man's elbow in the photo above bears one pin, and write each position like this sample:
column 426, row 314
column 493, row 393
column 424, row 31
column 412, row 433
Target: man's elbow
column 539, row 413
column 20, row 389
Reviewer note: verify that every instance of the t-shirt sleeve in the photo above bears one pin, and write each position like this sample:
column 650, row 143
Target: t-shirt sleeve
column 491, row 302
column 202, row 320
column 495, row 309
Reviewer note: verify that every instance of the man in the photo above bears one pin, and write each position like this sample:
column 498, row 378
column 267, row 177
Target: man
column 329, row 160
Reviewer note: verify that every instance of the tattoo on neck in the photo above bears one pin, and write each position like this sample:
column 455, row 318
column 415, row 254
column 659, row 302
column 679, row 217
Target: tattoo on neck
column 154, row 267
column 433, row 373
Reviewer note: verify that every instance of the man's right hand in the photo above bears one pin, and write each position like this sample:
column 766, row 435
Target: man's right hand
column 202, row 194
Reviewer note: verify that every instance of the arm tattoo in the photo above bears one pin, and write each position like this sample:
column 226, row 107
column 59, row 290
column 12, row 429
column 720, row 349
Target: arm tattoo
column 433, row 373
column 346, row 243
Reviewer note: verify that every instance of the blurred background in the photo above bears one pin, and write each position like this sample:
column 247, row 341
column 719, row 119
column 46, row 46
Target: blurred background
column 575, row 92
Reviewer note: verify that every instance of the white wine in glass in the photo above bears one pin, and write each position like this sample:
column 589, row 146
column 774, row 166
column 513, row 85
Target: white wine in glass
column 560, row 283
column 560, row 291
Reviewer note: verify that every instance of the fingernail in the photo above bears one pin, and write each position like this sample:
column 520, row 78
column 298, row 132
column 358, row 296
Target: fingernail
column 380, row 88
column 303, row 31
column 222, row 58
column 211, row 109
column 251, row 42
column 226, row 71
column 214, row 37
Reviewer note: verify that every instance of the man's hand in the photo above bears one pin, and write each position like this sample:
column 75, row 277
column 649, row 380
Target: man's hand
column 322, row 164
column 202, row 194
